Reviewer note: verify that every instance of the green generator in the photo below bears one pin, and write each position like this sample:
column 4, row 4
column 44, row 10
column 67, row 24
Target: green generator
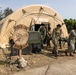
column 34, row 41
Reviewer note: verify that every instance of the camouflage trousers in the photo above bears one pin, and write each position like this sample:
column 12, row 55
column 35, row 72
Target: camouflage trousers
column 55, row 42
column 71, row 47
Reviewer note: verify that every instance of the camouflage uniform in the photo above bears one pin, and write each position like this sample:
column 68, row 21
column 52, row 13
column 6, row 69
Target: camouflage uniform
column 71, row 41
column 11, row 42
column 49, row 38
column 56, row 35
column 43, row 33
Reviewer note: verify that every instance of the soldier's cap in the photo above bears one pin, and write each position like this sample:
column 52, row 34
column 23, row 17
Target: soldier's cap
column 58, row 25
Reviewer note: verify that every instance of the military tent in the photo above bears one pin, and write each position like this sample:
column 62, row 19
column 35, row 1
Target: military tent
column 30, row 15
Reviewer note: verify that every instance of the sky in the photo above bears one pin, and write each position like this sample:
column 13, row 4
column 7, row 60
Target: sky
column 66, row 8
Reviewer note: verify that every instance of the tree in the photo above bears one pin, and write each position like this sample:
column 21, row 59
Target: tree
column 1, row 14
column 70, row 23
column 7, row 12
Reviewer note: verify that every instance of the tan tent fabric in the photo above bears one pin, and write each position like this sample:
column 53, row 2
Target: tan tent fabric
column 31, row 14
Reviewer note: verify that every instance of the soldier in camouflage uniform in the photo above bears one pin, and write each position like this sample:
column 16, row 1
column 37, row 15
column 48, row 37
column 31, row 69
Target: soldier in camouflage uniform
column 42, row 29
column 49, row 37
column 56, row 35
column 11, row 42
column 71, row 42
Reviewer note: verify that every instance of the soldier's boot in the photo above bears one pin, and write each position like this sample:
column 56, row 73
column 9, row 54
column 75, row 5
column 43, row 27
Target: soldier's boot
column 71, row 55
column 66, row 53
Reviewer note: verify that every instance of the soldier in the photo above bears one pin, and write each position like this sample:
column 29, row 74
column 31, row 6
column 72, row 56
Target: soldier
column 75, row 46
column 56, row 35
column 49, row 37
column 46, row 30
column 71, row 42
column 11, row 42
column 43, row 32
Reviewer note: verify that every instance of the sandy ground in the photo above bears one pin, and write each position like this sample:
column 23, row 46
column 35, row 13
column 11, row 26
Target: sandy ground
column 57, row 68
column 34, row 61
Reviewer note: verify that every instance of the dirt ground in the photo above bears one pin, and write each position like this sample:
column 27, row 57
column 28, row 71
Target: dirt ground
column 34, row 60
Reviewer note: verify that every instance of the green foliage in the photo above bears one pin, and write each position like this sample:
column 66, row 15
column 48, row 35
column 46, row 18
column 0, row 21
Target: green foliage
column 70, row 23
column 1, row 14
column 7, row 12
column 4, row 13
